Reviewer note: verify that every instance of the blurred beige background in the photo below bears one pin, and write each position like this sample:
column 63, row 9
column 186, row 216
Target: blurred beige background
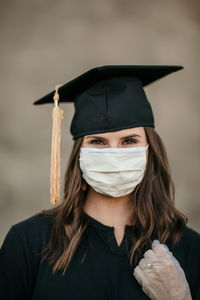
column 48, row 42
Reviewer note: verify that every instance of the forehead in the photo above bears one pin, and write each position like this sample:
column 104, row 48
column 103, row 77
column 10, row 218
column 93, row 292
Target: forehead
column 120, row 133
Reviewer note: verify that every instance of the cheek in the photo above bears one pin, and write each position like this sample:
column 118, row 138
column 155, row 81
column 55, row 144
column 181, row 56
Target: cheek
column 147, row 155
column 83, row 143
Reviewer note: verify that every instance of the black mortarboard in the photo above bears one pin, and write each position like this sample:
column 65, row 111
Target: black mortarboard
column 106, row 98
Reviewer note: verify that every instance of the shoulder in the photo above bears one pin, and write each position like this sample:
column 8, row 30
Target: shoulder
column 187, row 250
column 20, row 255
column 31, row 232
column 191, row 234
column 188, row 254
column 190, row 238
column 36, row 224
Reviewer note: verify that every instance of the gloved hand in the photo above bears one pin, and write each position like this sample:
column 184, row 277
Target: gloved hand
column 161, row 275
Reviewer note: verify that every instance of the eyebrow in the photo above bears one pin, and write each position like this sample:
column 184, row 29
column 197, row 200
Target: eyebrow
column 125, row 137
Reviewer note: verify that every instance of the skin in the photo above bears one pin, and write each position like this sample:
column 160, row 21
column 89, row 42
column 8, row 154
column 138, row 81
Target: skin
column 113, row 211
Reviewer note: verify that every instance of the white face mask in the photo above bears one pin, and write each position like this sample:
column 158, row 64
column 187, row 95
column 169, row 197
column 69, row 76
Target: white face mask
column 113, row 171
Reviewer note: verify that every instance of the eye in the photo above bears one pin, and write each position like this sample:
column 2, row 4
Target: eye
column 96, row 142
column 130, row 141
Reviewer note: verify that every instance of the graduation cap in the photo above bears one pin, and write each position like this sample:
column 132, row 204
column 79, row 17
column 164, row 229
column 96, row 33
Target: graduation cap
column 106, row 98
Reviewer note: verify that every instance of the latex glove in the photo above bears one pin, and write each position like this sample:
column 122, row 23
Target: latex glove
column 161, row 275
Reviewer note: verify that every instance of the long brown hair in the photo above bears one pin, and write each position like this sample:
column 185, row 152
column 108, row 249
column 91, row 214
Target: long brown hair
column 154, row 215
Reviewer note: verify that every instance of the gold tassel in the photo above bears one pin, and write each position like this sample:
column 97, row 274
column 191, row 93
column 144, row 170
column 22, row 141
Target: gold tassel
column 57, row 115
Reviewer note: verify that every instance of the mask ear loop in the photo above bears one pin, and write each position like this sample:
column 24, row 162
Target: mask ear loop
column 146, row 147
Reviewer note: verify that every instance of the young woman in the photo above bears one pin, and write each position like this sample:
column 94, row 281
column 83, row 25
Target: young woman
column 117, row 234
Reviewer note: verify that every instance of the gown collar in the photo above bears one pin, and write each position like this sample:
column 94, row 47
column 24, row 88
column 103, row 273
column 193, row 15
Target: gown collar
column 95, row 223
column 107, row 234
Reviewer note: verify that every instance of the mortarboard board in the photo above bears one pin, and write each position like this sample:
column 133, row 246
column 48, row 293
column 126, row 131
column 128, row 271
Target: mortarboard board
column 106, row 98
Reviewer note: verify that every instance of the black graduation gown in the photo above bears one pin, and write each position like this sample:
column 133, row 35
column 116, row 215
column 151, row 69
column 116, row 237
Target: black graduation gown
column 105, row 273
